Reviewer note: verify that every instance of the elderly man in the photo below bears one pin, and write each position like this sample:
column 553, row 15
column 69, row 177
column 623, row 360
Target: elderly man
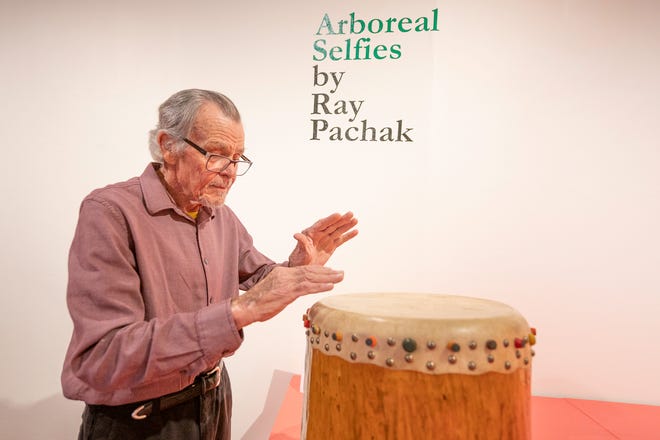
column 155, row 270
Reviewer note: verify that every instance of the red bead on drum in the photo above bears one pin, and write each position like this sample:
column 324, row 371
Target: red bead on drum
column 454, row 346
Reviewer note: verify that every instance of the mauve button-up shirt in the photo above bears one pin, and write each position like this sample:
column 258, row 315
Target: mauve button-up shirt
column 149, row 292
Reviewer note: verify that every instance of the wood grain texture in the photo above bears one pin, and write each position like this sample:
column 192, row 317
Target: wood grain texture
column 361, row 401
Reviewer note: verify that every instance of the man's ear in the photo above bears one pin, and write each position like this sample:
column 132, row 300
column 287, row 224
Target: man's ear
column 165, row 142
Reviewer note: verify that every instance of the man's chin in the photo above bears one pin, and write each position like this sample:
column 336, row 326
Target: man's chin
column 212, row 201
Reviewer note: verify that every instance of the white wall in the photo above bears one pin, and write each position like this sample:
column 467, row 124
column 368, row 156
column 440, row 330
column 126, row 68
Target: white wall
column 533, row 178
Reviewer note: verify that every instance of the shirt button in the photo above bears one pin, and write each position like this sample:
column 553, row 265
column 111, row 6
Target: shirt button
column 211, row 300
column 206, row 261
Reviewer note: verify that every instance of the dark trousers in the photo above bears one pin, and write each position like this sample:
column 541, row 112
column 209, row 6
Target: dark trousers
column 207, row 417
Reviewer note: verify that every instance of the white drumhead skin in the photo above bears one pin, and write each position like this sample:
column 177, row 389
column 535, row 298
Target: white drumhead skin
column 429, row 333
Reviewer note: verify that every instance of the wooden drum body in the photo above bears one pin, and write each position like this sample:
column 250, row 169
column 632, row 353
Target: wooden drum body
column 412, row 366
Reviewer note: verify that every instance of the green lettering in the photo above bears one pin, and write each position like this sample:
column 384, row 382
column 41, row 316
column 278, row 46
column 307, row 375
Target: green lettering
column 334, row 51
column 405, row 21
column 390, row 22
column 396, row 51
column 327, row 24
column 318, row 47
column 354, row 22
column 377, row 51
column 422, row 24
column 341, row 26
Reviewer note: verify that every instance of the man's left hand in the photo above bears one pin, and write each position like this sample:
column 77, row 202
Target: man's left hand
column 317, row 243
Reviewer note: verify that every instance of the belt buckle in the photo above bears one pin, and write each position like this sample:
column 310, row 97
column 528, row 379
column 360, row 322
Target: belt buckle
column 136, row 413
column 216, row 370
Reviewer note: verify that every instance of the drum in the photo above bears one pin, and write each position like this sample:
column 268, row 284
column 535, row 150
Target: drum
column 410, row 366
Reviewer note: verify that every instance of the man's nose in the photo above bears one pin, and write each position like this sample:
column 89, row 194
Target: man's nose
column 230, row 170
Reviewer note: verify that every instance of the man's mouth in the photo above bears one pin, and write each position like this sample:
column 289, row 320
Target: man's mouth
column 219, row 185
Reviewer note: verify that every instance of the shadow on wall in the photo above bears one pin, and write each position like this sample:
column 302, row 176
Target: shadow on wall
column 53, row 418
column 262, row 426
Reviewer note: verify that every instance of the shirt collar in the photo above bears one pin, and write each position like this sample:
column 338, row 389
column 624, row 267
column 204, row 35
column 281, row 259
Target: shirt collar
column 156, row 197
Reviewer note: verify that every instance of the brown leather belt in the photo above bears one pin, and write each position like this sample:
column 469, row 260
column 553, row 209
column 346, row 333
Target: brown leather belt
column 204, row 382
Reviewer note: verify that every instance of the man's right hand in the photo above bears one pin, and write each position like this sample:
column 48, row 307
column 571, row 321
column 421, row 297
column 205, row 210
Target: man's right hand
column 280, row 288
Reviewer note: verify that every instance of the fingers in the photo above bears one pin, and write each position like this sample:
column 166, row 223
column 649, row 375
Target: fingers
column 341, row 229
column 311, row 279
column 303, row 239
column 342, row 224
column 323, row 224
column 333, row 223
column 347, row 237
column 304, row 280
column 301, row 280
column 278, row 289
column 318, row 242
column 321, row 274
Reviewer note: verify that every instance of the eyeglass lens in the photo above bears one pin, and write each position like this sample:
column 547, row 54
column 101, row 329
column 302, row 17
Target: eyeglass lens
column 218, row 164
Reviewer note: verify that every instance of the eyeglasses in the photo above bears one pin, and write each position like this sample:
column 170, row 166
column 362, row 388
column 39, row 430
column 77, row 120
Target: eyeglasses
column 217, row 163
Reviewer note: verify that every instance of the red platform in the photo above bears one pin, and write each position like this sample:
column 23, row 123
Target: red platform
column 552, row 418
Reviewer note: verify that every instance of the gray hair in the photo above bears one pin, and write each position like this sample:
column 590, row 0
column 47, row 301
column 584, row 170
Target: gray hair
column 177, row 114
